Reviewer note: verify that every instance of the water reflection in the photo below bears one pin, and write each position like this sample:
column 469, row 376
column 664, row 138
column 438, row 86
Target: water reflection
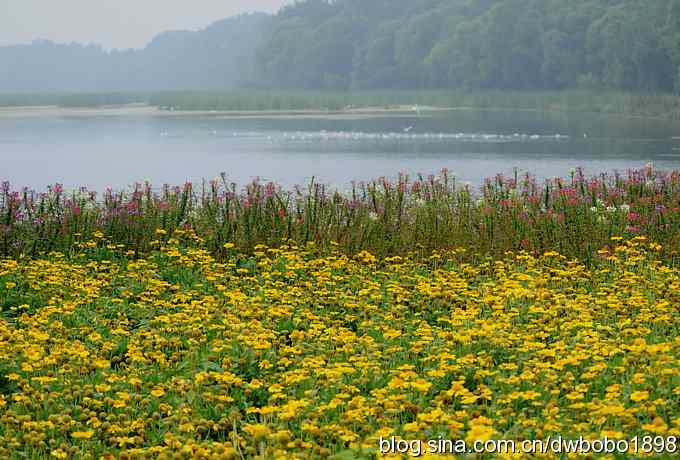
column 101, row 151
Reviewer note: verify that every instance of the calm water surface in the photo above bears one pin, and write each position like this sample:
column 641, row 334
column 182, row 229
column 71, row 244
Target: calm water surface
column 102, row 151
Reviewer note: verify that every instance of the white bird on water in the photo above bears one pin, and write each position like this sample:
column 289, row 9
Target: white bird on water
column 408, row 129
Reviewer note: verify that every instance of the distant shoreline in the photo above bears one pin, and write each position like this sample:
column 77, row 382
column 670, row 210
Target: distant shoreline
column 144, row 110
column 153, row 111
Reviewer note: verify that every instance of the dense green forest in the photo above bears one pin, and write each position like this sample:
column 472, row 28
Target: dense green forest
column 502, row 44
column 630, row 45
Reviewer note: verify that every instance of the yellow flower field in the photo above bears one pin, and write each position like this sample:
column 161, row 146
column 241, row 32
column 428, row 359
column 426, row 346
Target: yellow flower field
column 292, row 353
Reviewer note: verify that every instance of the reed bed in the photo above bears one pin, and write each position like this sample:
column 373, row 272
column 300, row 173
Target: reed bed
column 611, row 102
column 574, row 100
column 576, row 215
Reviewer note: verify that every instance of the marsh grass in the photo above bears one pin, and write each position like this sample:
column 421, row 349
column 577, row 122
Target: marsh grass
column 576, row 216
column 73, row 99
column 611, row 102
column 637, row 104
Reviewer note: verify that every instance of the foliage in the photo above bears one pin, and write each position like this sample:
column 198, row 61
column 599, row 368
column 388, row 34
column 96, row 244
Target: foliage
column 338, row 45
column 576, row 216
column 293, row 353
column 500, row 44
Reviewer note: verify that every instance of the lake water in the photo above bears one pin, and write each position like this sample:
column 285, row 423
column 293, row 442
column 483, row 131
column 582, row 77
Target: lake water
column 98, row 150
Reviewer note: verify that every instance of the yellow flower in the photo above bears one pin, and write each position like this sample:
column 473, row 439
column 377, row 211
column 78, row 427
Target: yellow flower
column 412, row 427
column 638, row 396
column 102, row 388
column 157, row 392
column 82, row 434
column 316, row 345
column 119, row 403
column 257, row 431
column 479, row 433
column 229, row 246
column 276, row 388
column 658, row 426
column 422, row 386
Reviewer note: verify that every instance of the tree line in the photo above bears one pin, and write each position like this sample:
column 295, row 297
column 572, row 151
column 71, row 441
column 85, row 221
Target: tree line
column 631, row 45
column 499, row 44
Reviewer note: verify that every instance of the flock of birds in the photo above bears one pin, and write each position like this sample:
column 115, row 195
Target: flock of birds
column 407, row 134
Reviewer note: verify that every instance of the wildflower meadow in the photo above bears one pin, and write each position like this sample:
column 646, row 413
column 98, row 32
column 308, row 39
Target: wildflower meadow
column 212, row 322
column 576, row 215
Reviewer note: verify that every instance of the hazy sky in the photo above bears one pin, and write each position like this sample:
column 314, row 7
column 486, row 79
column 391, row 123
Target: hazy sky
column 113, row 23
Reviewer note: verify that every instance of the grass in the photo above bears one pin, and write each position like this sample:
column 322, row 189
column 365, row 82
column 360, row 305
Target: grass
column 73, row 99
column 611, row 102
column 28, row 99
column 576, row 216
column 638, row 104
column 102, row 99
column 293, row 352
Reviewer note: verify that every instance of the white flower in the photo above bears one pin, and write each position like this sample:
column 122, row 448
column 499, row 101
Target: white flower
column 611, row 209
column 373, row 216
column 594, row 209
column 624, row 208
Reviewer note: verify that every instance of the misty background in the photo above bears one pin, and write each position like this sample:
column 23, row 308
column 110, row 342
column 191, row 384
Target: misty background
column 119, row 24
column 631, row 45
